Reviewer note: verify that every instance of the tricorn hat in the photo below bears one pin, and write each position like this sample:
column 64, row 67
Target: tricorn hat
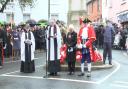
column 86, row 20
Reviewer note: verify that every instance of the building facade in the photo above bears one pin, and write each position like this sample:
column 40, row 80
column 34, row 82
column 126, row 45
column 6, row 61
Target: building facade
column 74, row 12
column 94, row 10
column 14, row 14
column 59, row 9
column 117, row 13
column 122, row 14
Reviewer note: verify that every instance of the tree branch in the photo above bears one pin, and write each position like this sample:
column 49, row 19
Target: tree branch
column 3, row 6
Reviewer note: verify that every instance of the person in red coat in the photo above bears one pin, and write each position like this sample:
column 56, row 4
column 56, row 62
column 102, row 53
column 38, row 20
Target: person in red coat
column 86, row 36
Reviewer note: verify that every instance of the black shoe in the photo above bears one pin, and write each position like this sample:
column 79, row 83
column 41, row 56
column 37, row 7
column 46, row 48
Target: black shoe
column 51, row 74
column 88, row 74
column 1, row 67
column 104, row 62
column 55, row 74
column 82, row 74
column 70, row 73
column 110, row 63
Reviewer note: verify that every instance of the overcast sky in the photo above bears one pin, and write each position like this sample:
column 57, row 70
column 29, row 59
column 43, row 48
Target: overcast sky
column 40, row 11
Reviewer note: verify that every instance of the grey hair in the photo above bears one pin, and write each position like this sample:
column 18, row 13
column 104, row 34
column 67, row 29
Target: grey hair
column 71, row 26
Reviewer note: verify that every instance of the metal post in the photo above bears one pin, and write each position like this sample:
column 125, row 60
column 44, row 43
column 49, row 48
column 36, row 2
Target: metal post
column 46, row 75
column 11, row 16
column 48, row 10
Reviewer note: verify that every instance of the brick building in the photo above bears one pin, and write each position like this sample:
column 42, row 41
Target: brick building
column 94, row 10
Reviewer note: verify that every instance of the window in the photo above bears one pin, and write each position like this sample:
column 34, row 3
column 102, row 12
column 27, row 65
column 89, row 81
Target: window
column 92, row 7
column 110, row 4
column 106, row 2
column 26, row 17
column 54, row 15
column 98, row 5
column 11, row 0
column 123, row 2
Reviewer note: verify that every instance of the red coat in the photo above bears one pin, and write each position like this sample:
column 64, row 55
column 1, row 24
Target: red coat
column 2, row 53
column 91, row 39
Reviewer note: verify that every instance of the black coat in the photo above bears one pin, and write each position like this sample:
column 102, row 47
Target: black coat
column 3, row 37
column 71, row 40
column 40, row 35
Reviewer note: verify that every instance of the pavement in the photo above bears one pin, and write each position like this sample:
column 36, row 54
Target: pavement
column 64, row 67
column 103, row 76
column 95, row 66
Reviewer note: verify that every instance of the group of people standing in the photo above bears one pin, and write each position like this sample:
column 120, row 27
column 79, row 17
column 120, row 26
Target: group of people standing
column 86, row 36
column 83, row 41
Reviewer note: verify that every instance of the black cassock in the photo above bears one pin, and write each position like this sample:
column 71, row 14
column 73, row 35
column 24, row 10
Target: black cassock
column 28, row 65
column 53, row 65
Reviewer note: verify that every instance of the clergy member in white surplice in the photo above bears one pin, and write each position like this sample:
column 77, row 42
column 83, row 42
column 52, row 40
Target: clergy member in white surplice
column 53, row 48
column 27, row 51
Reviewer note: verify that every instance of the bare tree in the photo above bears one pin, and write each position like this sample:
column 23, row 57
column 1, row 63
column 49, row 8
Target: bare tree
column 22, row 3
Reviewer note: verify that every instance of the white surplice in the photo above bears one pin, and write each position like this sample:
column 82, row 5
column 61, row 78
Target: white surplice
column 58, row 34
column 23, row 46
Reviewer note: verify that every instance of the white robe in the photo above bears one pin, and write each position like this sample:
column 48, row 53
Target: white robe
column 23, row 46
column 52, row 56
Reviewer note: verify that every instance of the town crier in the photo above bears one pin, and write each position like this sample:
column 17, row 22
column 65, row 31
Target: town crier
column 86, row 37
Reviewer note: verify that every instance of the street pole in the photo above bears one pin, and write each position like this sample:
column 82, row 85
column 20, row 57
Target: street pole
column 46, row 75
column 11, row 16
column 48, row 10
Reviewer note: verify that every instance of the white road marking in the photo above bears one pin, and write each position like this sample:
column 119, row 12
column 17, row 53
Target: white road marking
column 18, row 60
column 125, row 54
column 11, row 62
column 19, row 76
column 73, row 80
column 109, row 75
column 121, row 86
column 10, row 72
column 121, row 82
column 60, row 79
column 19, row 71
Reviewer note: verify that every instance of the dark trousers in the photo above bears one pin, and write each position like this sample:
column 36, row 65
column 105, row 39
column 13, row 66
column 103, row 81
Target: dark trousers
column 107, row 52
column 0, row 61
column 71, row 66
column 0, row 56
column 71, row 61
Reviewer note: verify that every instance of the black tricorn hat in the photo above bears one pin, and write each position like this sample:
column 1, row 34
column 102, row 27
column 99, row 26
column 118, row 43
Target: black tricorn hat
column 86, row 20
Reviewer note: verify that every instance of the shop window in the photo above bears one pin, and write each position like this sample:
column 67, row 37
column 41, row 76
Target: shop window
column 26, row 17
column 123, row 2
column 11, row 0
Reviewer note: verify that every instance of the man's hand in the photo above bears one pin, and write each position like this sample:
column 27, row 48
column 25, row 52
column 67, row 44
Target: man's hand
column 84, row 46
column 28, row 41
column 5, row 46
column 79, row 46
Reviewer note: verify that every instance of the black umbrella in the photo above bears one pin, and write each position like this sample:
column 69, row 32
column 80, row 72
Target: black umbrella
column 31, row 21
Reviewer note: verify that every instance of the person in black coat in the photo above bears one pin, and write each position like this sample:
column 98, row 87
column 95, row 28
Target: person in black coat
column 71, row 41
column 2, row 44
column 40, row 37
